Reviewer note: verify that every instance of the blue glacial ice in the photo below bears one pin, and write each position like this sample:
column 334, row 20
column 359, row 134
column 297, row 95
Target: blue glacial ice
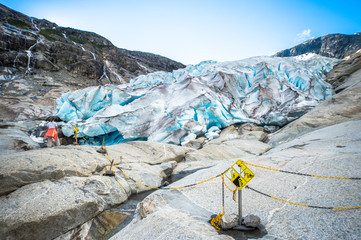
column 186, row 103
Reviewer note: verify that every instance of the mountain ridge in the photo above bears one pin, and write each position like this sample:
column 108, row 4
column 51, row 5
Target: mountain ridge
column 93, row 50
column 332, row 45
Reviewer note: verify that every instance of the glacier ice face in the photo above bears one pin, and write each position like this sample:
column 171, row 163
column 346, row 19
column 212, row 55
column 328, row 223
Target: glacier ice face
column 167, row 107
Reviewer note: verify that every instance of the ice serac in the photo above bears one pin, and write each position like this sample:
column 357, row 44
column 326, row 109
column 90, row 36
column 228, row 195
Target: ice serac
column 168, row 107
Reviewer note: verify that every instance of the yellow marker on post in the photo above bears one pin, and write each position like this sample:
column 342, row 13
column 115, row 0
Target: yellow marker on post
column 239, row 174
column 75, row 132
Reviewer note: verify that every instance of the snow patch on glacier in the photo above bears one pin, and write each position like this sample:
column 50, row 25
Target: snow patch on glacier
column 168, row 107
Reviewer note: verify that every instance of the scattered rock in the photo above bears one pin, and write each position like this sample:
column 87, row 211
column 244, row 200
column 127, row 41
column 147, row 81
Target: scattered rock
column 188, row 138
column 229, row 133
column 229, row 221
column 271, row 129
column 251, row 221
column 253, row 135
column 246, row 131
column 196, row 143
column 250, row 127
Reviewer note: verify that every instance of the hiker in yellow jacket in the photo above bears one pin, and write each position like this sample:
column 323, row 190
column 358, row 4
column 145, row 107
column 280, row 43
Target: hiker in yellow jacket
column 52, row 133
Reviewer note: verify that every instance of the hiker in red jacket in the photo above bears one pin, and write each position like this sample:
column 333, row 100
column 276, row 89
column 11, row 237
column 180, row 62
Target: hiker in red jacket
column 52, row 133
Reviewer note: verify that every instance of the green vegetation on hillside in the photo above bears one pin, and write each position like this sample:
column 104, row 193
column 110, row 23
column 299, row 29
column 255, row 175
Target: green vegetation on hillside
column 48, row 32
column 84, row 37
column 77, row 40
column 18, row 23
column 85, row 41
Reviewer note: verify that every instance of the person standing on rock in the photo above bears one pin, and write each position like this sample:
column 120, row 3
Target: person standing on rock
column 52, row 133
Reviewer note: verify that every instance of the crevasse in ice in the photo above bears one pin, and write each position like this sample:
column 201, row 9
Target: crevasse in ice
column 178, row 106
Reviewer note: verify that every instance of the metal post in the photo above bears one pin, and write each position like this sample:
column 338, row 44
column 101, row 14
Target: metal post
column 240, row 207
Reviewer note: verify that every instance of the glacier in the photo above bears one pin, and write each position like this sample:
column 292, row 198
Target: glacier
column 198, row 100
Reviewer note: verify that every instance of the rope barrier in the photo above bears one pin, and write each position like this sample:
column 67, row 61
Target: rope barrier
column 302, row 174
column 300, row 204
column 234, row 191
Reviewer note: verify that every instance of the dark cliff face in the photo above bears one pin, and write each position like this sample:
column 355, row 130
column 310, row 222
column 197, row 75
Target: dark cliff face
column 332, row 45
column 40, row 60
column 33, row 46
column 342, row 71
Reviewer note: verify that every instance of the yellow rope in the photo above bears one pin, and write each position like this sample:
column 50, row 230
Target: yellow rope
column 215, row 222
column 303, row 174
column 300, row 204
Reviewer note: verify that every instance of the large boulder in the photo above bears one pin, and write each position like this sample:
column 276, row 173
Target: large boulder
column 48, row 209
column 150, row 163
column 150, row 176
column 147, row 152
column 231, row 149
column 247, row 131
column 13, row 140
column 19, row 169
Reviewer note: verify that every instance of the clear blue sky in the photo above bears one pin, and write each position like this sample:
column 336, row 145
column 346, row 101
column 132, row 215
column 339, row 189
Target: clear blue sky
column 190, row 31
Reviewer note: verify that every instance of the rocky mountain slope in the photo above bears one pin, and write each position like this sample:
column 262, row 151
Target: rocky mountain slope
column 39, row 60
column 332, row 45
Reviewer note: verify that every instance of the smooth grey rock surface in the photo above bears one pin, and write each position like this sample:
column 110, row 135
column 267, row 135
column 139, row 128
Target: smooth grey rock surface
column 169, row 216
column 330, row 151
